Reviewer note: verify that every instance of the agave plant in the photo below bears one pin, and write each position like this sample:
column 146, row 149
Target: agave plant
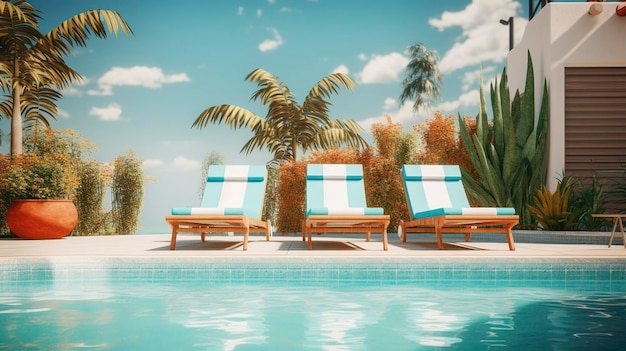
column 509, row 155
column 552, row 210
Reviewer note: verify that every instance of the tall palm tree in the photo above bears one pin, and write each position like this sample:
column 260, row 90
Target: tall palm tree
column 288, row 126
column 423, row 79
column 32, row 68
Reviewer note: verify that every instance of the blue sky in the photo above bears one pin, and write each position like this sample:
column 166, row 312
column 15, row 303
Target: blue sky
column 142, row 93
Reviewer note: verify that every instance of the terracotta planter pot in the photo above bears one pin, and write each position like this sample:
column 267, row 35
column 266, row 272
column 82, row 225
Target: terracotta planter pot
column 42, row 219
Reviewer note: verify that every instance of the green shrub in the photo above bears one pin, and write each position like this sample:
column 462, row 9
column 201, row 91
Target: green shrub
column 589, row 199
column 89, row 200
column 127, row 193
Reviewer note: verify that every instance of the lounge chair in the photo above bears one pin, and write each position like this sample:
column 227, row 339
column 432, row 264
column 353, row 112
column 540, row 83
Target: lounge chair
column 335, row 203
column 232, row 202
column 438, row 203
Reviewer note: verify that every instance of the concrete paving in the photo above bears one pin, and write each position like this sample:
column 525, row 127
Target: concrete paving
column 292, row 246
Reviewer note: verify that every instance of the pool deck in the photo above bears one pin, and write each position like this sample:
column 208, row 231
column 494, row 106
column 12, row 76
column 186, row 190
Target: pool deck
column 291, row 247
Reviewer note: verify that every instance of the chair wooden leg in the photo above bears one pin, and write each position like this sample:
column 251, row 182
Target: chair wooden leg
column 621, row 227
column 385, row 246
column 368, row 235
column 173, row 240
column 310, row 245
column 267, row 230
column 439, row 238
column 509, row 239
column 613, row 232
column 246, row 234
column 203, row 236
column 468, row 236
column 402, row 228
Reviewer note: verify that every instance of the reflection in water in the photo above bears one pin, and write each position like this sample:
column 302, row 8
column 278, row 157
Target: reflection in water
column 269, row 316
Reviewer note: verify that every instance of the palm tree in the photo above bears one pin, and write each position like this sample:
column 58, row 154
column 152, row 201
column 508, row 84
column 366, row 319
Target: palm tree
column 32, row 68
column 423, row 79
column 288, row 126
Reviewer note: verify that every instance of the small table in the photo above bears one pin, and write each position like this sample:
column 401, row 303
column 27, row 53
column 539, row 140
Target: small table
column 617, row 218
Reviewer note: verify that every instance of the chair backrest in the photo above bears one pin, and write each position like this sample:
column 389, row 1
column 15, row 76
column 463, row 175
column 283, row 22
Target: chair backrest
column 434, row 186
column 237, row 187
column 335, row 186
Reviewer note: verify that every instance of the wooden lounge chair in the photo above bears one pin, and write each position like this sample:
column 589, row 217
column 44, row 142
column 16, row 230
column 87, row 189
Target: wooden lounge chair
column 232, row 202
column 335, row 203
column 438, row 203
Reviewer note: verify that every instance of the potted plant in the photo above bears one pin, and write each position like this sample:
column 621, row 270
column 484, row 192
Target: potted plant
column 36, row 192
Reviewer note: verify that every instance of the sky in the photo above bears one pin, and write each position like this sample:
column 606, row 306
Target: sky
column 142, row 93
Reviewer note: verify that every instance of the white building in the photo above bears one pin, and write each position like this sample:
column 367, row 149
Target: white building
column 580, row 49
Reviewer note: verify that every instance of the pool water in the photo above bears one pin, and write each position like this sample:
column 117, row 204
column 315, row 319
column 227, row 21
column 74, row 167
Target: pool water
column 325, row 314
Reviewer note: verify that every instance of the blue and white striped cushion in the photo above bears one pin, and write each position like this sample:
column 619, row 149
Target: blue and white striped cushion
column 435, row 190
column 337, row 189
column 231, row 190
column 206, row 211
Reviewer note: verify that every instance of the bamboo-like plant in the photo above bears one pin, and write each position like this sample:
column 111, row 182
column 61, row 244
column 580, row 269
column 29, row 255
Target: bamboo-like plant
column 127, row 193
column 508, row 155
column 89, row 200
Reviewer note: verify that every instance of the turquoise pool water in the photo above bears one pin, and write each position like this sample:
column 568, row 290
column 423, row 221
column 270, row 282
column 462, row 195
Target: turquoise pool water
column 331, row 306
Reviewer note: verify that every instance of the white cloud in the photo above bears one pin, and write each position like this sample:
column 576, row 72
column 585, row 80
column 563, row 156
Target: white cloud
column 403, row 115
column 153, row 163
column 73, row 90
column 383, row 69
column 259, row 12
column 483, row 38
column 341, row 69
column 467, row 99
column 271, row 2
column 362, row 57
column 113, row 112
column 471, row 79
column 271, row 44
column 390, row 104
column 142, row 76
column 408, row 118
column 180, row 164
column 183, row 164
column 240, row 10
column 62, row 113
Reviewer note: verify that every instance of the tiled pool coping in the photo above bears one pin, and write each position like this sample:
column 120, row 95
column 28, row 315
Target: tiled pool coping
column 313, row 269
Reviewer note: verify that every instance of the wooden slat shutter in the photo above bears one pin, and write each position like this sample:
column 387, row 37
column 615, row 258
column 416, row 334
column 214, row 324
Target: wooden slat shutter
column 595, row 128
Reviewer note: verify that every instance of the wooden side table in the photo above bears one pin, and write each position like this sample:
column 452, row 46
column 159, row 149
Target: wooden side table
column 617, row 218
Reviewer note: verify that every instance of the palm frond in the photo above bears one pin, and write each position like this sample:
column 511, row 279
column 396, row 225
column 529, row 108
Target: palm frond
column 231, row 115
column 287, row 125
column 316, row 105
column 20, row 11
column 77, row 29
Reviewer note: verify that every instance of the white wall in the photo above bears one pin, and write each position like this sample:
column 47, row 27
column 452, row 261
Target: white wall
column 565, row 35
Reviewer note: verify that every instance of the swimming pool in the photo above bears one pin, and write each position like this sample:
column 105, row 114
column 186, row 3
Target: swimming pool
column 217, row 304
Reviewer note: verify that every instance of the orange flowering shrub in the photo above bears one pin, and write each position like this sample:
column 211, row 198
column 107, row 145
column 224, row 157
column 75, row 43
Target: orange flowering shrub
column 384, row 186
column 386, row 137
column 292, row 186
column 382, row 176
column 291, row 196
column 442, row 142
